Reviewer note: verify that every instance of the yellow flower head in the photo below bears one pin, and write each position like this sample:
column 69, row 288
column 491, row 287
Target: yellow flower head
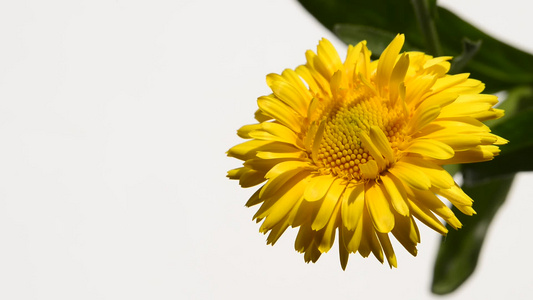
column 357, row 148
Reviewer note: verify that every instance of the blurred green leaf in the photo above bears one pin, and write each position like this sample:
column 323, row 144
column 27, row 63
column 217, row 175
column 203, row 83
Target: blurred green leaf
column 389, row 16
column 377, row 39
column 452, row 169
column 433, row 7
column 459, row 250
column 497, row 64
column 470, row 49
column 425, row 11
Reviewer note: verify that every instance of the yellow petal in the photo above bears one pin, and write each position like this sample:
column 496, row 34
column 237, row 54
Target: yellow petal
column 297, row 83
column 460, row 124
column 465, row 109
column 448, row 81
column 283, row 201
column 236, row 173
column 316, row 141
column 254, row 199
column 290, row 96
column 286, row 166
column 328, row 204
column 260, row 116
column 406, row 232
column 364, row 244
column 370, row 238
column 431, row 148
column 316, row 74
column 369, row 169
column 304, row 238
column 277, row 132
column 417, row 88
column 396, row 193
column 312, row 254
column 251, row 178
column 413, row 177
column 279, row 228
column 379, row 208
column 427, row 217
column 338, row 84
column 363, row 64
column 281, row 112
column 387, row 61
column 352, row 55
column 277, row 231
column 398, row 76
column 458, row 198
column 304, row 72
column 263, row 165
column 429, row 200
column 266, row 136
column 477, row 154
column 274, row 155
column 343, row 251
column 387, row 248
column 438, row 177
column 422, row 117
column 280, row 174
column 327, row 61
column 470, row 86
column 477, row 98
column 440, row 99
column 310, row 136
column 460, row 142
column 246, row 150
column 353, row 202
column 318, row 187
column 439, row 65
column 244, row 131
column 382, row 143
column 328, row 236
column 353, row 238
column 373, row 150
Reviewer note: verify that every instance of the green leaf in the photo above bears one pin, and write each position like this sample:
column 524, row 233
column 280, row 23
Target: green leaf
column 497, row 64
column 433, row 7
column 377, row 39
column 452, row 169
column 425, row 13
column 389, row 16
column 459, row 250
column 470, row 49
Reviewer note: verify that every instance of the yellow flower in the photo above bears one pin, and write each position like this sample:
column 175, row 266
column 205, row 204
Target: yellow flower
column 357, row 147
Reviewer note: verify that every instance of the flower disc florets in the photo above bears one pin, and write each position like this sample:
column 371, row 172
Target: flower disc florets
column 356, row 147
column 341, row 151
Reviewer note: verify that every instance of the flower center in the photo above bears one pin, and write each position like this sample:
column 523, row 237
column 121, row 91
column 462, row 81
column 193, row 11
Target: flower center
column 341, row 151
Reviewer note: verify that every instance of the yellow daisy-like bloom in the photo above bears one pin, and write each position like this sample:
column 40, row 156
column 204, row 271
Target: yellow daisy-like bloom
column 358, row 147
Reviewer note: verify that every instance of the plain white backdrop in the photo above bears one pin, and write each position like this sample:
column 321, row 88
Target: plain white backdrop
column 114, row 121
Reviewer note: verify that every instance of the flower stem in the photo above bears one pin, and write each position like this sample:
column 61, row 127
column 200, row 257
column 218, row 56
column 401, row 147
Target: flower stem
column 427, row 26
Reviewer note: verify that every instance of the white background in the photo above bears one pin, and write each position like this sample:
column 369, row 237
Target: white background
column 114, row 121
